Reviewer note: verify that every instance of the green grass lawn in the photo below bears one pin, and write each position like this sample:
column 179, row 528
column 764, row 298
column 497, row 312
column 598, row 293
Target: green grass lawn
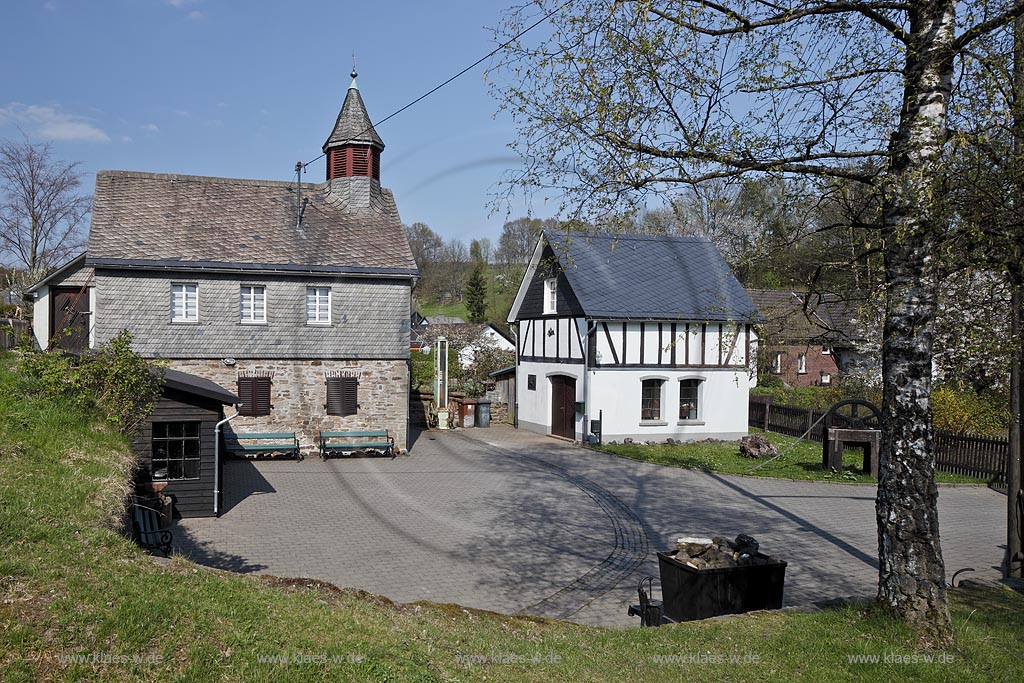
column 80, row 602
column 800, row 460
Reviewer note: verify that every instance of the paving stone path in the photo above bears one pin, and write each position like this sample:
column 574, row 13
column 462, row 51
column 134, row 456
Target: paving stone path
column 513, row 522
column 629, row 552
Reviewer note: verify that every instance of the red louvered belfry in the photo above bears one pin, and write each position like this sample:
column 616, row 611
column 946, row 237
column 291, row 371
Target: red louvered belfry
column 354, row 148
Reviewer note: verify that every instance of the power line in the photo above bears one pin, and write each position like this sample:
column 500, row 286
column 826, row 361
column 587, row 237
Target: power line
column 441, row 85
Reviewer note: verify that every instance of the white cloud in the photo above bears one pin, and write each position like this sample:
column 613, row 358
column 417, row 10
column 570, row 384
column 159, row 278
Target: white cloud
column 50, row 6
column 195, row 15
column 51, row 123
column 179, row 4
column 151, row 128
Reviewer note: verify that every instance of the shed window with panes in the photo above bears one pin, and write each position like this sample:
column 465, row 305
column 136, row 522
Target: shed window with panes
column 252, row 304
column 342, row 396
column 650, row 399
column 184, row 303
column 175, row 450
column 318, row 305
column 254, row 395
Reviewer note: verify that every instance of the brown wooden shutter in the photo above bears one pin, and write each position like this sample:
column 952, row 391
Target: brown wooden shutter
column 342, row 396
column 245, row 396
column 261, row 398
column 254, row 393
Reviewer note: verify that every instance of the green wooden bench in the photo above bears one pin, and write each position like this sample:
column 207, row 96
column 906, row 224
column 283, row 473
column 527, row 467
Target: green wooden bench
column 148, row 534
column 378, row 441
column 265, row 443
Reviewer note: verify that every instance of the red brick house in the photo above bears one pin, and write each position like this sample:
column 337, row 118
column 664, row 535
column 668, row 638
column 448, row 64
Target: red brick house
column 807, row 339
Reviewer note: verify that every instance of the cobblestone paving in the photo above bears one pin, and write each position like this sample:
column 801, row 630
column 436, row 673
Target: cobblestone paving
column 513, row 522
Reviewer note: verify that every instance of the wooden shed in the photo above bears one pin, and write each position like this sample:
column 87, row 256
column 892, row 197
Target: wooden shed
column 503, row 395
column 176, row 446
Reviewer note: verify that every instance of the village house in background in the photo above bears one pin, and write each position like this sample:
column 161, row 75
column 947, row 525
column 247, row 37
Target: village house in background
column 472, row 336
column 294, row 296
column 810, row 339
column 654, row 334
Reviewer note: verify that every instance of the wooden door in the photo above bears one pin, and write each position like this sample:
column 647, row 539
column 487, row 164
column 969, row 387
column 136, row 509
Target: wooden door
column 563, row 406
column 69, row 318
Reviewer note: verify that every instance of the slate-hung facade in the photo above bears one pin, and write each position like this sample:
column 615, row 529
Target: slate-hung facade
column 651, row 333
column 266, row 288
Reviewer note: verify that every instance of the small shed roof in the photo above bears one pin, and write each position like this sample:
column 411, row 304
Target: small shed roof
column 200, row 386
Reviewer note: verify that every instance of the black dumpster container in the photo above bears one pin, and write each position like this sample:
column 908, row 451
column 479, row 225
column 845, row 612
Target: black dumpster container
column 483, row 412
column 689, row 593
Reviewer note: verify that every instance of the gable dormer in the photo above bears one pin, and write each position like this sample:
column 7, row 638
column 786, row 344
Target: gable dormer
column 547, row 292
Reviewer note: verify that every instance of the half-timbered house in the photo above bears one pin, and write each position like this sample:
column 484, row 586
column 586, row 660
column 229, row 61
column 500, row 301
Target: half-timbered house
column 651, row 335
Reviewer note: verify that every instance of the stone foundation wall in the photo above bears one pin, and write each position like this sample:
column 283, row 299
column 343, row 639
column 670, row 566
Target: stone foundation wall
column 299, row 396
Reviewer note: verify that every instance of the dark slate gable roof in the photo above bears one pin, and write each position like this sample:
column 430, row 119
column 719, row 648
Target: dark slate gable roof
column 200, row 221
column 653, row 278
column 353, row 125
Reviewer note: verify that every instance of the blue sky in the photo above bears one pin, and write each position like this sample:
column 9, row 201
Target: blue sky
column 247, row 88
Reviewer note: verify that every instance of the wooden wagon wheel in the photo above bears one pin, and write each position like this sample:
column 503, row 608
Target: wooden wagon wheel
column 854, row 413
column 851, row 413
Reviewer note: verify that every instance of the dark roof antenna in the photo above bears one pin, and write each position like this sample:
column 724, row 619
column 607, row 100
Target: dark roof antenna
column 298, row 196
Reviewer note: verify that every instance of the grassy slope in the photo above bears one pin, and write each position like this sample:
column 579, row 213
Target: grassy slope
column 69, row 585
column 800, row 460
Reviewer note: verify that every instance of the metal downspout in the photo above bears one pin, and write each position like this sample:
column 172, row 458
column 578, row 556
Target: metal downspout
column 591, row 326
column 216, row 461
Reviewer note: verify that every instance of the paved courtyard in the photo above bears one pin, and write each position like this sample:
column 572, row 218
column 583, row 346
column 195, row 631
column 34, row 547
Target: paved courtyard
column 513, row 522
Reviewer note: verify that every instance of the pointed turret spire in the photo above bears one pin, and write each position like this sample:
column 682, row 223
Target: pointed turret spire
column 353, row 148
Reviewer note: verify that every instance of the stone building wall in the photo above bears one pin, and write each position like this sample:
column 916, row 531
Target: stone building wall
column 299, row 396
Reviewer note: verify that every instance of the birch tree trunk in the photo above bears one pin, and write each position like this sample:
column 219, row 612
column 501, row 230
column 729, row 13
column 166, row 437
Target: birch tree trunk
column 911, row 571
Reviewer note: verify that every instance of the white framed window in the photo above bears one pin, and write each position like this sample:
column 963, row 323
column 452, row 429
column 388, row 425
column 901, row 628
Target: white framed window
column 777, row 363
column 550, row 296
column 318, row 305
column 689, row 399
column 826, row 349
column 252, row 304
column 826, row 378
column 650, row 399
column 801, row 364
column 184, row 303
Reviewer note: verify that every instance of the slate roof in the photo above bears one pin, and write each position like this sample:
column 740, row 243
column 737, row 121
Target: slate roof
column 353, row 125
column 200, row 386
column 785, row 317
column 444, row 320
column 654, row 278
column 199, row 221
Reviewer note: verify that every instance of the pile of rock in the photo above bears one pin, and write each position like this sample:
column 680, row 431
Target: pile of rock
column 719, row 553
column 757, row 446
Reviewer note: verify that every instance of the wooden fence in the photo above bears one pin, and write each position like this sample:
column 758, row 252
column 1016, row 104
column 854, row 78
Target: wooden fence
column 964, row 454
column 11, row 331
